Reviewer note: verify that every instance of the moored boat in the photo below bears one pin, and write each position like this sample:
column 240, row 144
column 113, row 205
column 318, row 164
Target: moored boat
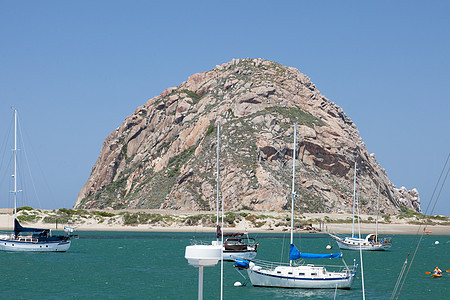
column 298, row 274
column 31, row 239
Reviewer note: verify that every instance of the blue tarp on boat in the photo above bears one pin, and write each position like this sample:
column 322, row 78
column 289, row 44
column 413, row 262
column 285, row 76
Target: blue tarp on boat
column 241, row 263
column 295, row 254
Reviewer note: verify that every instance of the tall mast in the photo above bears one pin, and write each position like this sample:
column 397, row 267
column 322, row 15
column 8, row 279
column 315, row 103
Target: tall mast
column 15, row 163
column 354, row 195
column 293, row 187
column 378, row 200
column 217, row 172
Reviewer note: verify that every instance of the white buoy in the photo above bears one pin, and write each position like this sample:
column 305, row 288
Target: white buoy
column 436, row 243
column 329, row 247
column 237, row 283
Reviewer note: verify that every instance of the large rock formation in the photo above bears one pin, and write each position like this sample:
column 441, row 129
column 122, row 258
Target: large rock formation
column 164, row 156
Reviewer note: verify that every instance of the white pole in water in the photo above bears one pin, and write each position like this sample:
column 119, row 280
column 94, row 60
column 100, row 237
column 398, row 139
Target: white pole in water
column 354, row 195
column 293, row 188
column 200, row 283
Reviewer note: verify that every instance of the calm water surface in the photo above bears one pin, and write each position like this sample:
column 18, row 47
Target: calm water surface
column 132, row 265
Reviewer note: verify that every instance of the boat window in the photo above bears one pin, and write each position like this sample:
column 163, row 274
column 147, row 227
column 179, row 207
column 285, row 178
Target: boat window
column 301, row 274
column 290, row 273
column 313, row 274
column 278, row 272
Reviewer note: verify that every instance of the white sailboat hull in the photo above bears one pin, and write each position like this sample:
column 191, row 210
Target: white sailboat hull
column 16, row 246
column 371, row 247
column 304, row 277
column 363, row 244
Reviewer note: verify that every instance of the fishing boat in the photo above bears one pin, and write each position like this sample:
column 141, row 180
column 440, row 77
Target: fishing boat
column 371, row 242
column 31, row 239
column 237, row 245
column 298, row 273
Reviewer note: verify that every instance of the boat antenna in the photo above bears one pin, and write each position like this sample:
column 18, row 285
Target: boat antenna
column 293, row 188
column 354, row 195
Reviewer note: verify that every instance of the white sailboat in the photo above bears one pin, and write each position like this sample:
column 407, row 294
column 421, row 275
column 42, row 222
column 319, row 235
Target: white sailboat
column 372, row 242
column 31, row 239
column 298, row 274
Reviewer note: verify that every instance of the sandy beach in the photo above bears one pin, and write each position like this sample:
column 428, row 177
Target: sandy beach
column 265, row 222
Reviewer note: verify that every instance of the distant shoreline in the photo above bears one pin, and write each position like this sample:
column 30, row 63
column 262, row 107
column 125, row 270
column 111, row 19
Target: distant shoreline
column 254, row 222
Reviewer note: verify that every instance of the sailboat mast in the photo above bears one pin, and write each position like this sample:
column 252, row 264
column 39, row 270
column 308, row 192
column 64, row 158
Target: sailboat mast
column 378, row 200
column 293, row 187
column 15, row 163
column 354, row 195
column 217, row 172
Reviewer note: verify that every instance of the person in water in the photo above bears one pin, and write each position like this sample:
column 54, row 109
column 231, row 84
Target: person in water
column 437, row 271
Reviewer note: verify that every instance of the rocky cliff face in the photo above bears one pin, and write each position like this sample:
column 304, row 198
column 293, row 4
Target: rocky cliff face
column 164, row 155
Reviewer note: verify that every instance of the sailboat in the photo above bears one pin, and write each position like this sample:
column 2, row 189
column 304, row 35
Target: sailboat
column 371, row 242
column 31, row 239
column 235, row 246
column 298, row 274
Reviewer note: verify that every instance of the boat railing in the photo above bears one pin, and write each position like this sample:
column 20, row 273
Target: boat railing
column 26, row 239
column 269, row 264
column 199, row 242
column 272, row 265
column 330, row 267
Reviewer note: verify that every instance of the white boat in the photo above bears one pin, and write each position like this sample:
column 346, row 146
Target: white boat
column 372, row 242
column 31, row 239
column 237, row 246
column 298, row 274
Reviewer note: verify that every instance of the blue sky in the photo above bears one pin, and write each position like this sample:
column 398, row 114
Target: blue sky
column 76, row 70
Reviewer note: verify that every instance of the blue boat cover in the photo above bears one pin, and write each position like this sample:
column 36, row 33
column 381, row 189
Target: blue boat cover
column 295, row 254
column 241, row 263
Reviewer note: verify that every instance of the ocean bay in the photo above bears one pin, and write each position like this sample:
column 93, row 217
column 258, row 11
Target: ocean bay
column 112, row 265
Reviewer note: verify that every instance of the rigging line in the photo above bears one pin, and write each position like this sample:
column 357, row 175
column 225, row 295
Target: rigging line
column 399, row 279
column 27, row 162
column 437, row 183
column 417, row 233
column 421, row 237
column 4, row 149
column 431, row 200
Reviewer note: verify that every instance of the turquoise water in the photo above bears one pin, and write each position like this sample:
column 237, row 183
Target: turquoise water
column 116, row 265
